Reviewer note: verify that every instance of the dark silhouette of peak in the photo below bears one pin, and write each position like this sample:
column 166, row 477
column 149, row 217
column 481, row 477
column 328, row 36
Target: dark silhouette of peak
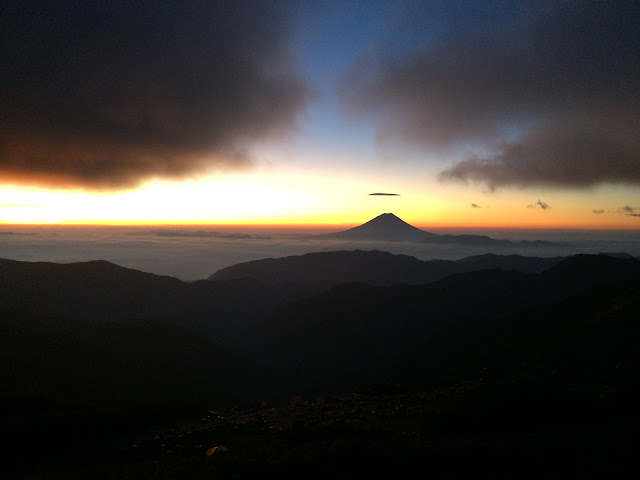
column 384, row 227
column 95, row 272
column 374, row 266
column 388, row 227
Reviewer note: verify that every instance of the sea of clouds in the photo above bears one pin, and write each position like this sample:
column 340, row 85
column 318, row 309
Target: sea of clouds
column 196, row 253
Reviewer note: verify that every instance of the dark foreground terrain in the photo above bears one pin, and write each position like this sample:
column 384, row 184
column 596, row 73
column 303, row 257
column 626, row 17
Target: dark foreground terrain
column 497, row 429
column 500, row 373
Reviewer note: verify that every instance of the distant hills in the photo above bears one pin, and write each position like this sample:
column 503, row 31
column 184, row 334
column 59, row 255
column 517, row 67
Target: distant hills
column 388, row 227
column 373, row 267
column 102, row 291
column 99, row 334
column 385, row 227
column 383, row 335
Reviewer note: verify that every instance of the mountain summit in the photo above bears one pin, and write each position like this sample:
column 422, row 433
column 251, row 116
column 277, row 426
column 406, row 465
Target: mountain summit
column 384, row 227
column 388, row 227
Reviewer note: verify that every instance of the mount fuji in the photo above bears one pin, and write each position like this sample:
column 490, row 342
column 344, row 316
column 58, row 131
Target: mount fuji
column 386, row 227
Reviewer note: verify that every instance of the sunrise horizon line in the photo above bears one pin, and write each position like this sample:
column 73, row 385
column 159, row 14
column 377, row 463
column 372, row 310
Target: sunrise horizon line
column 308, row 226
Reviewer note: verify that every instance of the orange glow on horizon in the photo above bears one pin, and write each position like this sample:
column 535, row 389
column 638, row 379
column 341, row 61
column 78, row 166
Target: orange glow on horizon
column 279, row 201
column 297, row 224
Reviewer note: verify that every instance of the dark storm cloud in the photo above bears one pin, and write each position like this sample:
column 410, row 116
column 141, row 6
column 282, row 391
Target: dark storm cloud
column 107, row 94
column 541, row 204
column 551, row 90
column 386, row 194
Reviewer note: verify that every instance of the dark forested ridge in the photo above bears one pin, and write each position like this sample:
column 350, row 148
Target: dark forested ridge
column 354, row 326
column 373, row 267
column 469, row 345
column 102, row 291
column 340, row 317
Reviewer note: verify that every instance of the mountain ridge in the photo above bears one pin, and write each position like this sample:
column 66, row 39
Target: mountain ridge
column 372, row 266
column 386, row 226
column 355, row 326
column 332, row 331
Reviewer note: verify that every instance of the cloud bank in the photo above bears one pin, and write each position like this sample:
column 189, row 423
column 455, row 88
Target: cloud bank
column 183, row 233
column 549, row 91
column 104, row 95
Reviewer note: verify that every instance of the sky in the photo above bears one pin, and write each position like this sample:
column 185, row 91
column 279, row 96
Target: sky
column 472, row 114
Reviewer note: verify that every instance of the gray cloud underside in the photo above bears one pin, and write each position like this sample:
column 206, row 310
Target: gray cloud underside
column 551, row 90
column 107, row 96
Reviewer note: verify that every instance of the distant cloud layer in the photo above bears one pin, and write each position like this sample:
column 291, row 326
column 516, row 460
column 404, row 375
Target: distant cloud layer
column 625, row 210
column 386, row 194
column 200, row 234
column 630, row 211
column 105, row 95
column 549, row 90
column 541, row 204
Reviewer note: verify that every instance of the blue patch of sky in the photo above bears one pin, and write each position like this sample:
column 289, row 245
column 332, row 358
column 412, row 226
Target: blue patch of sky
column 330, row 37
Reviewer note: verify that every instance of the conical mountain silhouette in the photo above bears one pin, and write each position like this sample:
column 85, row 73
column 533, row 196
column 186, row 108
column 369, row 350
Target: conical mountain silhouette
column 388, row 227
column 384, row 227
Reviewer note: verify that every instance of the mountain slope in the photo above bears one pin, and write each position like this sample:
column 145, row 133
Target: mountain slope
column 308, row 342
column 385, row 227
column 331, row 338
column 584, row 340
column 388, row 227
column 102, row 291
column 118, row 364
